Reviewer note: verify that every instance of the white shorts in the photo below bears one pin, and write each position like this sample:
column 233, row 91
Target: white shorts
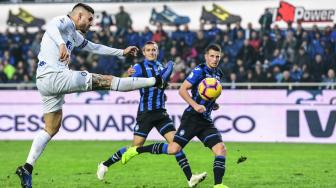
column 53, row 86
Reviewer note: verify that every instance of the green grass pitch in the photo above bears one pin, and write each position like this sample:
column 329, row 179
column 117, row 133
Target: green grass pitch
column 73, row 164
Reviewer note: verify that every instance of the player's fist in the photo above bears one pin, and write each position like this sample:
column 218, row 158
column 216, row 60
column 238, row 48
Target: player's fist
column 199, row 108
column 131, row 50
column 130, row 71
column 64, row 55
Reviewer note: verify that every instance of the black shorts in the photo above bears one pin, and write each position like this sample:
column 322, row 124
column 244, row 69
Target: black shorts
column 193, row 124
column 158, row 119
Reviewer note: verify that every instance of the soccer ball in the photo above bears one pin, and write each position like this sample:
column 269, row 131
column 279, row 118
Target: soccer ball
column 209, row 89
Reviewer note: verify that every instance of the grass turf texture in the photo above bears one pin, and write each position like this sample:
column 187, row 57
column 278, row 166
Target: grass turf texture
column 74, row 164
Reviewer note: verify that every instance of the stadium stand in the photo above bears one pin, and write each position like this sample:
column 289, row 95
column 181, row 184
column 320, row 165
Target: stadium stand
column 250, row 55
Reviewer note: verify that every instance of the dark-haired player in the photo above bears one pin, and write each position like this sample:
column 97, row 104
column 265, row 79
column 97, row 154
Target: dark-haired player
column 54, row 79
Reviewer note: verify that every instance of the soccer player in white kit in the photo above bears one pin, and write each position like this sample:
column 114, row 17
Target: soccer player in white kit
column 54, row 79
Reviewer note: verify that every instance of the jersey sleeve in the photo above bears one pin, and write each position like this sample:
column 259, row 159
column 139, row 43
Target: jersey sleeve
column 100, row 49
column 81, row 42
column 195, row 76
column 138, row 72
column 54, row 29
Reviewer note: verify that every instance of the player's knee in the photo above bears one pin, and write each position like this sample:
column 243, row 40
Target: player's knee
column 52, row 131
column 174, row 148
column 219, row 149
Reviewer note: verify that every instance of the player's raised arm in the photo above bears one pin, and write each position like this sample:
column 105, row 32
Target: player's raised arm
column 105, row 50
column 183, row 92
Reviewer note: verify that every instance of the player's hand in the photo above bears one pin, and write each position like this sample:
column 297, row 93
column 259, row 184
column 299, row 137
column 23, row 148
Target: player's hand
column 131, row 50
column 216, row 106
column 199, row 108
column 130, row 71
column 64, row 55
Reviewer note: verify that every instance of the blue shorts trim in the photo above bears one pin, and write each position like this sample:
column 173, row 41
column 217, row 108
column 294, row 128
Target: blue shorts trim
column 164, row 127
column 180, row 137
column 206, row 138
column 140, row 134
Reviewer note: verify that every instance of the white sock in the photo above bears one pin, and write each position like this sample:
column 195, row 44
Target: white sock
column 37, row 147
column 131, row 83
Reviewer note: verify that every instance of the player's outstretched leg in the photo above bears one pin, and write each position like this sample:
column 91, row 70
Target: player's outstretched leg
column 107, row 82
column 133, row 83
column 103, row 166
column 156, row 148
column 129, row 154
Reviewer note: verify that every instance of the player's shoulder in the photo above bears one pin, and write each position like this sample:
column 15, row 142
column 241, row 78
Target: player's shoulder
column 199, row 68
column 195, row 74
column 64, row 21
column 137, row 66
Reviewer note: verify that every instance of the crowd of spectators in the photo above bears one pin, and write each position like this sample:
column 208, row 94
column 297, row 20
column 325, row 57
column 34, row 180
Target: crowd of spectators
column 249, row 54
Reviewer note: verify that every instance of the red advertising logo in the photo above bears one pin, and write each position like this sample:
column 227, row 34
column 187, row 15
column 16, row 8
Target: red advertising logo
column 290, row 13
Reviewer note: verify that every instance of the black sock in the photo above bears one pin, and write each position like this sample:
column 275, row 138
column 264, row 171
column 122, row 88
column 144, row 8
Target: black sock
column 115, row 157
column 28, row 167
column 184, row 164
column 157, row 148
column 219, row 169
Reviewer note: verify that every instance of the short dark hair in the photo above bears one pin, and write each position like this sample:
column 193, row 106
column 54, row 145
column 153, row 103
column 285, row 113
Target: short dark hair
column 85, row 6
column 150, row 42
column 214, row 47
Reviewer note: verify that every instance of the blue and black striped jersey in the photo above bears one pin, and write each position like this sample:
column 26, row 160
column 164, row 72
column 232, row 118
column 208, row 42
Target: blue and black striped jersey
column 195, row 77
column 151, row 98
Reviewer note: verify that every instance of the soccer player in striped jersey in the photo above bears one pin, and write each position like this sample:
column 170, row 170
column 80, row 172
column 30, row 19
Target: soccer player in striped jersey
column 152, row 113
column 196, row 120
column 54, row 79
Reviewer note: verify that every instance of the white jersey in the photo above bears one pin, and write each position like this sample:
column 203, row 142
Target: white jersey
column 61, row 30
